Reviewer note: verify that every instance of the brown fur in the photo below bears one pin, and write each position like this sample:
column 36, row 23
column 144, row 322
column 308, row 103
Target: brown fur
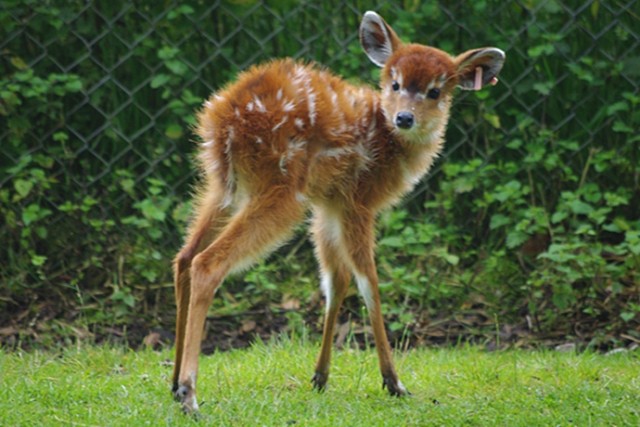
column 286, row 138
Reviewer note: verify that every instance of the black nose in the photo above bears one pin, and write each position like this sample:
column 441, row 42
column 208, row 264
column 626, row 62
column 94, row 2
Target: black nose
column 404, row 120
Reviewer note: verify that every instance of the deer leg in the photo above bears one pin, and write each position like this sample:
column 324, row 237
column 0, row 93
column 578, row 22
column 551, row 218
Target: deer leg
column 359, row 242
column 205, row 226
column 258, row 227
column 335, row 278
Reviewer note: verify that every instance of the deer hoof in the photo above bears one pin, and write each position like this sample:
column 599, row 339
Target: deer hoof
column 394, row 387
column 319, row 381
column 187, row 397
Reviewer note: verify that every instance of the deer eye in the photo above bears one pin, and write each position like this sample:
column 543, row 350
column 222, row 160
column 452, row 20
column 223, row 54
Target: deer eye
column 395, row 86
column 433, row 93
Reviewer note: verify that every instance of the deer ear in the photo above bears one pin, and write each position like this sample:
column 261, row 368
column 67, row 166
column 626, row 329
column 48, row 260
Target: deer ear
column 479, row 67
column 377, row 38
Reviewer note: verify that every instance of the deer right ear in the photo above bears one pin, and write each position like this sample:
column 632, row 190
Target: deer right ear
column 377, row 38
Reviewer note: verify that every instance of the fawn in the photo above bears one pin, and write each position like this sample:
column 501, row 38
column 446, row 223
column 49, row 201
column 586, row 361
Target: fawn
column 288, row 137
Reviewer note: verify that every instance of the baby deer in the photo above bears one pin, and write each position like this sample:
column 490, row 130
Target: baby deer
column 286, row 138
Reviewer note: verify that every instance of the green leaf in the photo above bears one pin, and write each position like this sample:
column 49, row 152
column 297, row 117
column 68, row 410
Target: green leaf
column 627, row 316
column 182, row 10
column 150, row 210
column 559, row 216
column 579, row 207
column 23, row 187
column 173, row 131
column 516, row 238
column 167, row 52
column 19, row 63
column 618, row 106
column 33, row 213
column 60, row 137
column 619, row 126
column 499, row 220
column 493, row 120
column 74, row 85
column 541, row 50
column 176, row 66
column 393, row 242
column 452, row 259
column 159, row 80
column 38, row 260
column 544, row 88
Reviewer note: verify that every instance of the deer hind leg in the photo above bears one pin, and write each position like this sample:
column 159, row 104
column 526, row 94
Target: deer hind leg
column 258, row 227
column 335, row 278
column 359, row 243
column 210, row 218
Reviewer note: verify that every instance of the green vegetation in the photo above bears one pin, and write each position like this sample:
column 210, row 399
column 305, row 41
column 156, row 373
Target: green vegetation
column 269, row 385
column 530, row 220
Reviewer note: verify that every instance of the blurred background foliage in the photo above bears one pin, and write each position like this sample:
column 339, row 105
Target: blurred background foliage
column 527, row 229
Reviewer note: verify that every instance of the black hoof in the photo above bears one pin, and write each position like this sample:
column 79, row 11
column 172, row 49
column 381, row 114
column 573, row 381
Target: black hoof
column 319, row 381
column 187, row 397
column 174, row 391
column 394, row 387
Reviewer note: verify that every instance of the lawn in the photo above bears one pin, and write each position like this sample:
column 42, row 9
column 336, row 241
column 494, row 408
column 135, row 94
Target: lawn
column 268, row 384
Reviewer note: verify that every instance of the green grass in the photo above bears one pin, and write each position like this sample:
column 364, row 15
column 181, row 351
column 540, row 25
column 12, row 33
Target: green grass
column 269, row 385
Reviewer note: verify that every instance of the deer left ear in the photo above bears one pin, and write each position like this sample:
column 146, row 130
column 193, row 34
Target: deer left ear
column 377, row 38
column 479, row 67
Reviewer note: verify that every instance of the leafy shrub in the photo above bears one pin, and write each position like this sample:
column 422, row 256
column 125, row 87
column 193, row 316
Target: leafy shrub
column 533, row 212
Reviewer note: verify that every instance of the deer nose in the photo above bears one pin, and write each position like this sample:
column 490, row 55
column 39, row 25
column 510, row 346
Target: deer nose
column 404, row 120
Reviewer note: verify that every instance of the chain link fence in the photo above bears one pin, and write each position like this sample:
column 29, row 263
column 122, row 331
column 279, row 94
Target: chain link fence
column 97, row 102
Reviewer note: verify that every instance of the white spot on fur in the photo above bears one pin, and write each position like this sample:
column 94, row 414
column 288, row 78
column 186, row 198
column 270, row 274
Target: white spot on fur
column 300, row 78
column 330, row 227
column 250, row 106
column 230, row 137
column 209, row 143
column 282, row 164
column 212, row 165
column 230, row 178
column 279, row 94
column 288, row 106
column 301, row 197
column 334, row 99
column 312, row 108
column 337, row 152
column 326, row 284
column 259, row 105
column 364, row 287
column 294, row 147
column 299, row 123
column 208, row 104
column 280, row 123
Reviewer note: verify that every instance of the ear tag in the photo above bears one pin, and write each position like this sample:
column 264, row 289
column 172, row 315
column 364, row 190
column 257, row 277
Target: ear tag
column 478, row 81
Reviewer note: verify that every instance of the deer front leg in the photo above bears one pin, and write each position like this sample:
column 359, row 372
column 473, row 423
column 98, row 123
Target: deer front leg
column 335, row 287
column 359, row 239
column 368, row 287
column 334, row 281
